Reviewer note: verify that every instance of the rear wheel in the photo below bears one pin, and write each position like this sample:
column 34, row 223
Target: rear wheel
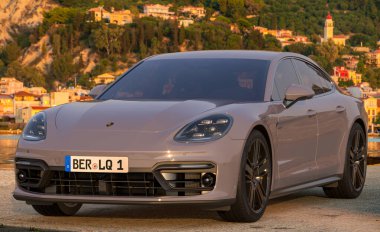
column 58, row 209
column 254, row 182
column 355, row 169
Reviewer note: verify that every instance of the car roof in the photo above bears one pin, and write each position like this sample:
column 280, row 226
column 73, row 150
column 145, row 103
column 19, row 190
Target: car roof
column 226, row 54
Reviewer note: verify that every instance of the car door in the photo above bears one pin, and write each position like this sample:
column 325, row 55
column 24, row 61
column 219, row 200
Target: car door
column 331, row 116
column 296, row 133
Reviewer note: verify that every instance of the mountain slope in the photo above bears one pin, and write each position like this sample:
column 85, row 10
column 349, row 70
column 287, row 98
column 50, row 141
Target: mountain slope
column 15, row 14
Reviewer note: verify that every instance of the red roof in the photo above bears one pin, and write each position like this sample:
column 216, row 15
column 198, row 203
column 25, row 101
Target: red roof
column 97, row 9
column 329, row 16
column 40, row 107
column 5, row 96
column 25, row 94
column 340, row 36
column 341, row 72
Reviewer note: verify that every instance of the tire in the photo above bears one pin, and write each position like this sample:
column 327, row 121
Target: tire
column 58, row 209
column 254, row 181
column 352, row 182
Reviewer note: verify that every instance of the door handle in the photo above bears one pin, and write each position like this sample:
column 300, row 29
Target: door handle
column 340, row 109
column 311, row 113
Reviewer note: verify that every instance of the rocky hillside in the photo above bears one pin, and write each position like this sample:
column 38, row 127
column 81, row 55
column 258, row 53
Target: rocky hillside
column 15, row 14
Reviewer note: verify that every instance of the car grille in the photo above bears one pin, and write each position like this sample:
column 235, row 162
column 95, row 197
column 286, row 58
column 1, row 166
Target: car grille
column 128, row 184
column 38, row 178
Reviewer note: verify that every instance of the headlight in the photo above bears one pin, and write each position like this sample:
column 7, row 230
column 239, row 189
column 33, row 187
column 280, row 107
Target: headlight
column 35, row 130
column 206, row 129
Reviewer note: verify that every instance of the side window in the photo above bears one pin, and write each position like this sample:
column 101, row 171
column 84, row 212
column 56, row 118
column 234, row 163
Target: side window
column 312, row 77
column 327, row 86
column 285, row 76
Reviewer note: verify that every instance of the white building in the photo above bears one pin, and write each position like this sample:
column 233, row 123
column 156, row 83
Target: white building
column 158, row 10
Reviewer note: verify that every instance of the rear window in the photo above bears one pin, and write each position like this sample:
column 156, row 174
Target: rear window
column 188, row 79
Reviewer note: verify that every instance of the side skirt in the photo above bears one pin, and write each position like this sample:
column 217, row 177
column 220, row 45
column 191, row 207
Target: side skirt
column 296, row 188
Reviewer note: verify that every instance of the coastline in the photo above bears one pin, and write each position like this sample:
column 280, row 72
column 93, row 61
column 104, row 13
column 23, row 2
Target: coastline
column 10, row 132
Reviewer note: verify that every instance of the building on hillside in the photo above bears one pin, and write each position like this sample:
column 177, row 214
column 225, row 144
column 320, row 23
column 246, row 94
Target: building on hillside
column 36, row 90
column 340, row 73
column 286, row 37
column 23, row 115
column 10, row 85
column 6, row 106
column 350, row 61
column 361, row 49
column 116, row 17
column 158, row 10
column 265, row 31
column 45, row 100
column 373, row 58
column 59, row 98
column 97, row 14
column 329, row 32
column 301, row 39
column 121, row 17
column 370, row 106
column 104, row 79
column 185, row 22
column 24, row 99
column 284, row 33
column 214, row 15
column 356, row 77
column 343, row 74
column 234, row 28
column 193, row 11
column 75, row 93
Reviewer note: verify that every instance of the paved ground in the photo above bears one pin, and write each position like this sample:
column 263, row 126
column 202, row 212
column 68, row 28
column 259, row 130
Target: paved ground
column 305, row 211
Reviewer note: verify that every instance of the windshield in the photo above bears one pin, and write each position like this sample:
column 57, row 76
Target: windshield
column 190, row 79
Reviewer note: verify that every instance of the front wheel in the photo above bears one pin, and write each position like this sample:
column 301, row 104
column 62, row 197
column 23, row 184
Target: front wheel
column 58, row 209
column 352, row 183
column 254, row 181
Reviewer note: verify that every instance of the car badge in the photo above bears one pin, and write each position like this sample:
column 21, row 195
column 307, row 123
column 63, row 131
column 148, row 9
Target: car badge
column 109, row 124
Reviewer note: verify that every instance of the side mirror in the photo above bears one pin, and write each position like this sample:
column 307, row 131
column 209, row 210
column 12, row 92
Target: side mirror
column 96, row 91
column 298, row 92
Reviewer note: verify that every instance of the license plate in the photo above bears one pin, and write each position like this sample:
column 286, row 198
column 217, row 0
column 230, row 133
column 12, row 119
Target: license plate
column 96, row 164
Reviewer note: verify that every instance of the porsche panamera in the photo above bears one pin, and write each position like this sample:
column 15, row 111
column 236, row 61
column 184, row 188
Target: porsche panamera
column 226, row 130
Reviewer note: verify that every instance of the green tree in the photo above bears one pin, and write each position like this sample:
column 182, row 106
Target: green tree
column 11, row 53
column 301, row 48
column 3, row 68
column 329, row 51
column 253, row 6
column 63, row 68
column 343, row 83
column 29, row 75
column 372, row 77
column 56, row 44
column 182, row 35
column 234, row 41
column 108, row 39
column 254, row 41
column 271, row 43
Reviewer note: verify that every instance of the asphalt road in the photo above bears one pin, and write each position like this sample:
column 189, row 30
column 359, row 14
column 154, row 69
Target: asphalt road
column 308, row 210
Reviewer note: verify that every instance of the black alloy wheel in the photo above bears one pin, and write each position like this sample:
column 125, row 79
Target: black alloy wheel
column 352, row 182
column 254, row 181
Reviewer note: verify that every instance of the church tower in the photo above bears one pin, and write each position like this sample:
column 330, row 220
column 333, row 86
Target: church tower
column 329, row 28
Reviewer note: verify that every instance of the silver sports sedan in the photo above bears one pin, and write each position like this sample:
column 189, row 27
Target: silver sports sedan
column 226, row 130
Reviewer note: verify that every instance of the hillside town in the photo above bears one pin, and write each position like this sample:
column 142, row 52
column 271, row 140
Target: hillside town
column 19, row 102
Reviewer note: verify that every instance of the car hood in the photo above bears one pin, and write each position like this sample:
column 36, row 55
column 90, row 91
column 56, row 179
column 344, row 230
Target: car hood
column 138, row 116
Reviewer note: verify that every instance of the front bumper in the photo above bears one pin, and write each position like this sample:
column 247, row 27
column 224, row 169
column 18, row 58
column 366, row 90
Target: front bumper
column 226, row 161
